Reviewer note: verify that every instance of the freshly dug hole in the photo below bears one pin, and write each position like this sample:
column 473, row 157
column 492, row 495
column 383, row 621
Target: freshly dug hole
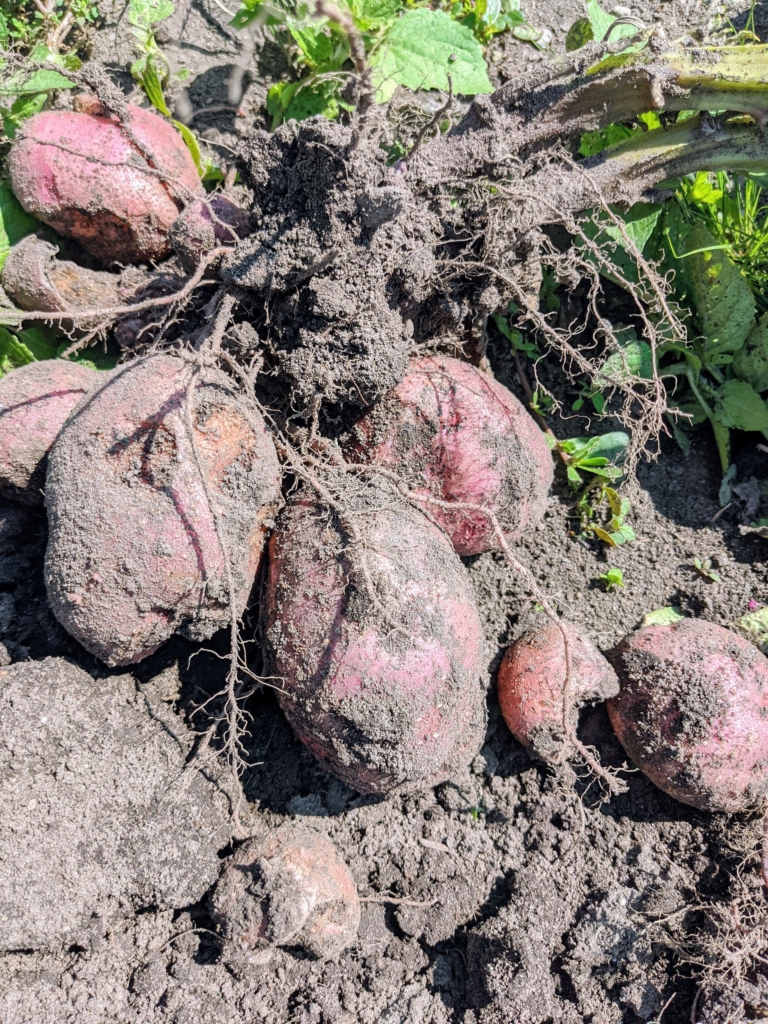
column 35, row 401
column 692, row 713
column 532, row 687
column 289, row 887
column 454, row 433
column 383, row 680
column 133, row 555
column 85, row 176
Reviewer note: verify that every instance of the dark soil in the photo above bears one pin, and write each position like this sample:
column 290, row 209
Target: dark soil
column 508, row 894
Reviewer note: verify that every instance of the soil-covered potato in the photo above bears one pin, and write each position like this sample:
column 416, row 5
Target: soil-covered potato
column 692, row 713
column 115, row 188
column 206, row 224
column 35, row 401
column 454, row 433
column 289, row 887
column 96, row 820
column 377, row 641
column 133, row 554
column 531, row 687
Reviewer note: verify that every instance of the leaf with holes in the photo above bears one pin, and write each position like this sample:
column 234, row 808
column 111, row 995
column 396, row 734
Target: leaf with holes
column 425, row 48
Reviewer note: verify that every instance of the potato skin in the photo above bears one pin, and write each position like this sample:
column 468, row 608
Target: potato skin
column 35, row 401
column 530, row 685
column 289, row 887
column 82, row 174
column 133, row 554
column 385, row 709
column 454, row 433
column 692, row 713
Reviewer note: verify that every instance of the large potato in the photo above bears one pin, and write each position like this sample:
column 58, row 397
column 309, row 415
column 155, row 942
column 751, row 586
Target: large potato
column 692, row 713
column 133, row 555
column 454, row 433
column 84, row 175
column 35, row 400
column 532, row 679
column 388, row 694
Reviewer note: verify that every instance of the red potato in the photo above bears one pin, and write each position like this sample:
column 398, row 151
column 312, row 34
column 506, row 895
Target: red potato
column 531, row 687
column 35, row 401
column 692, row 713
column 454, row 433
column 287, row 888
column 84, row 175
column 133, row 555
column 388, row 694
column 205, row 225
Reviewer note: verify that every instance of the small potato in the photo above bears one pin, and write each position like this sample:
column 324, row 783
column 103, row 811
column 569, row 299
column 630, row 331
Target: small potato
column 205, row 225
column 531, row 687
column 133, row 554
column 35, row 401
column 453, row 433
column 287, row 888
column 116, row 189
column 377, row 641
column 692, row 713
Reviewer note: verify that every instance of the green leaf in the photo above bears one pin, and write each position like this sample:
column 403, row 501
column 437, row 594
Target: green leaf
column 15, row 222
column 299, row 100
column 579, row 34
column 21, row 110
column 755, row 627
column 150, row 83
column 605, row 537
column 145, row 14
column 710, row 283
column 663, row 616
column 25, row 82
column 595, row 142
column 422, row 49
column 372, row 14
column 600, row 22
column 634, row 359
column 190, row 141
column 750, row 363
column 13, row 353
column 739, row 407
column 639, row 222
column 4, row 34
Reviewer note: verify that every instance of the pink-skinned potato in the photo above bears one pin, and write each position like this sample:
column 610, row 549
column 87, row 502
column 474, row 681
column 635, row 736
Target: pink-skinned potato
column 377, row 642
column 207, row 224
column 692, row 713
column 453, row 433
column 35, row 401
column 85, row 176
column 289, row 887
column 531, row 687
column 133, row 552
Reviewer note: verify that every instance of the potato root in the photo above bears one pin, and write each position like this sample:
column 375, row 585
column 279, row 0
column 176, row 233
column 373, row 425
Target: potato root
column 35, row 401
column 453, row 433
column 692, row 713
column 289, row 887
column 116, row 189
column 531, row 685
column 133, row 554
column 377, row 641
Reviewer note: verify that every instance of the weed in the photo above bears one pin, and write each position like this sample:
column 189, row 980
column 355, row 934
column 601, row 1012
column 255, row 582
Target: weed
column 616, row 531
column 597, row 456
column 704, row 568
column 612, row 580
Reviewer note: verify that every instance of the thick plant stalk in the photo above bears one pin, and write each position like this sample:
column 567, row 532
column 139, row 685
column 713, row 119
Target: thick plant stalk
column 526, row 117
column 630, row 171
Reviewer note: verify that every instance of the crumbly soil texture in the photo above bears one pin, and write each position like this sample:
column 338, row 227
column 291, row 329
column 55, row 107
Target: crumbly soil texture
column 509, row 893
